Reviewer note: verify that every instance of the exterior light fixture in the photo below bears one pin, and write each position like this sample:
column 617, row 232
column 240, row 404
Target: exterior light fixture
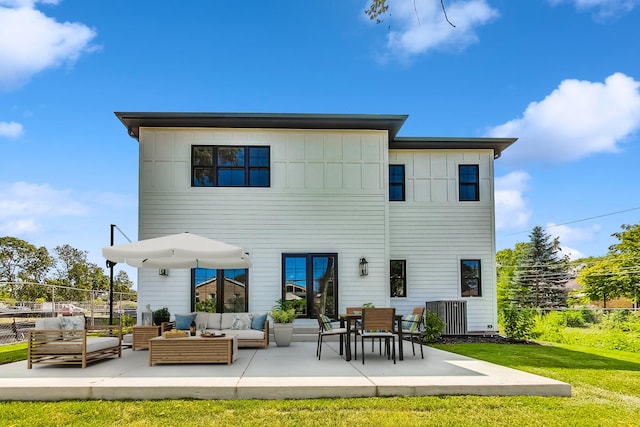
column 364, row 267
column 163, row 272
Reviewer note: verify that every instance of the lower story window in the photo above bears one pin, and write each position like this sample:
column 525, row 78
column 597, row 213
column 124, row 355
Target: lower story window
column 220, row 291
column 470, row 283
column 398, row 280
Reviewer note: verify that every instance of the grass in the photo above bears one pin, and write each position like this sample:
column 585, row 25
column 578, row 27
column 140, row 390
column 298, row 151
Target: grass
column 605, row 392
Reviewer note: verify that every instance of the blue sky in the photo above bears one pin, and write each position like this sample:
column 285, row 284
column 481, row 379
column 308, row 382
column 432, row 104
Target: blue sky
column 561, row 75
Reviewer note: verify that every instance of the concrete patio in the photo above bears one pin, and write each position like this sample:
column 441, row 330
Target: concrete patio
column 277, row 373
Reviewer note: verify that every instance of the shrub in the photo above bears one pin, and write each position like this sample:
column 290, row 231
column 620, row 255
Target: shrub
column 433, row 327
column 518, row 324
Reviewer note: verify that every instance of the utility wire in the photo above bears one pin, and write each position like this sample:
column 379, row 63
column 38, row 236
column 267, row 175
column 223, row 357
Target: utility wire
column 579, row 220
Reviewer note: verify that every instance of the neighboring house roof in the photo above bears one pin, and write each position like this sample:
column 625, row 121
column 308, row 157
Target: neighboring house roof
column 392, row 123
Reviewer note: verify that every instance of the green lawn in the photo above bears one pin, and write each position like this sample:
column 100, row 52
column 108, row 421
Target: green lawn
column 606, row 392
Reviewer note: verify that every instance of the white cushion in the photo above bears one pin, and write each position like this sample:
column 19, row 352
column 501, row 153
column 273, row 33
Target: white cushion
column 214, row 320
column 47, row 323
column 227, row 320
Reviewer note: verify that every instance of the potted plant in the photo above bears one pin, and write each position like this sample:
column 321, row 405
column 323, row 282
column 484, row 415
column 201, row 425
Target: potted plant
column 161, row 315
column 283, row 315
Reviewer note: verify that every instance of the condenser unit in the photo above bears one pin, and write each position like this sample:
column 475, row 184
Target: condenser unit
column 453, row 313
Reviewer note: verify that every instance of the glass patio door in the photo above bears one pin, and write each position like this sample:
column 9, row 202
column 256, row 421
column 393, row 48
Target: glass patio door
column 310, row 281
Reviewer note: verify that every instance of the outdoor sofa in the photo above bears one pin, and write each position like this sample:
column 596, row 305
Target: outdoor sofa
column 251, row 329
column 68, row 340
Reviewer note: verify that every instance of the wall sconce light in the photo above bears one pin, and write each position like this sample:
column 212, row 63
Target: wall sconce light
column 163, row 272
column 364, row 267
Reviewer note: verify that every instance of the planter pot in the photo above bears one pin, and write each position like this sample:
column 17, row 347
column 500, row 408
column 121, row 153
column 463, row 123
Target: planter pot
column 283, row 333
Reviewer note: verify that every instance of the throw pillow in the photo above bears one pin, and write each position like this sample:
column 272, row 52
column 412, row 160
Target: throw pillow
column 258, row 321
column 75, row 324
column 183, row 321
column 410, row 322
column 326, row 323
column 242, row 321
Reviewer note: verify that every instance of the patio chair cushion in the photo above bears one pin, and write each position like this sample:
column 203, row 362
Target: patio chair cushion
column 258, row 321
column 241, row 321
column 326, row 323
column 410, row 322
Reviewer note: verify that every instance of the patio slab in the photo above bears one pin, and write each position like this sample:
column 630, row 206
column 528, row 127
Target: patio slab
column 277, row 373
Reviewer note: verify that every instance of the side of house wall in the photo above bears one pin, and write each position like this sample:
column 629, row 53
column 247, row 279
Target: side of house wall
column 328, row 193
column 432, row 230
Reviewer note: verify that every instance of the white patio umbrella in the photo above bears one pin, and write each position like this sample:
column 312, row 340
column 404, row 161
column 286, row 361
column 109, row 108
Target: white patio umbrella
column 184, row 250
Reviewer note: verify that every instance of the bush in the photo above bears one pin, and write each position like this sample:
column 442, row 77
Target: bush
column 433, row 327
column 518, row 324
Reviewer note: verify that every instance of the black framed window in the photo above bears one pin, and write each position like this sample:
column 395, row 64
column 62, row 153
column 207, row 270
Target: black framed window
column 398, row 280
column 470, row 283
column 469, row 179
column 220, row 291
column 396, row 183
column 230, row 166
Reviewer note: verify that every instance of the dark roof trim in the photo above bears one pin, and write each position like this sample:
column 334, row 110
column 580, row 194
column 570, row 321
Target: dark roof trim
column 134, row 121
column 498, row 145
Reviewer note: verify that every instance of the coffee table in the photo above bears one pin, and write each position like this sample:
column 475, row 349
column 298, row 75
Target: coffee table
column 193, row 350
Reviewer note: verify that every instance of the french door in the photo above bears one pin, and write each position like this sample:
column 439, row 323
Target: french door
column 310, row 281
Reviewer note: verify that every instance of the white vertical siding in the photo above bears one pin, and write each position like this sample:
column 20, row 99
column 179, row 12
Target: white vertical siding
column 433, row 231
column 328, row 194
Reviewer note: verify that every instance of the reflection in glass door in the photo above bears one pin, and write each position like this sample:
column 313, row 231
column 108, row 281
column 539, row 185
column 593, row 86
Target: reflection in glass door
column 310, row 283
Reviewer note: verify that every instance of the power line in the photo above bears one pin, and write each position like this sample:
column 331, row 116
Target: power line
column 579, row 220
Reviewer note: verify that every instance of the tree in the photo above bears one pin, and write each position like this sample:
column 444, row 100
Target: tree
column 541, row 273
column 73, row 270
column 600, row 282
column 617, row 274
column 507, row 262
column 22, row 262
column 122, row 283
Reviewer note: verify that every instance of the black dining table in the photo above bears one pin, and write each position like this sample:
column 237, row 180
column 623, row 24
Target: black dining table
column 347, row 319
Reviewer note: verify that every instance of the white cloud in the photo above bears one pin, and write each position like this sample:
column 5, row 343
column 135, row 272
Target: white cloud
column 10, row 129
column 573, row 235
column 512, row 210
column 603, row 9
column 570, row 236
column 31, row 42
column 578, row 119
column 24, row 207
column 420, row 27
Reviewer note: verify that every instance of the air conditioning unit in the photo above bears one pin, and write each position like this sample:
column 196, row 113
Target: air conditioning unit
column 453, row 313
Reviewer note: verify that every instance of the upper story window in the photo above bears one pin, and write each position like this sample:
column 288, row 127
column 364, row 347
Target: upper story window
column 469, row 183
column 396, row 182
column 470, row 283
column 398, row 280
column 229, row 166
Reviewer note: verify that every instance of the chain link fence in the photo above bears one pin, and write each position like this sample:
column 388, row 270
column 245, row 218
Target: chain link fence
column 17, row 317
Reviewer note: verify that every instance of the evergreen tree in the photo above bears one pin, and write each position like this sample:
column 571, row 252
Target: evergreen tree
column 541, row 274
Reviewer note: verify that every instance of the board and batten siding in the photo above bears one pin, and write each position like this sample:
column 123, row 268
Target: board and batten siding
column 328, row 194
column 432, row 230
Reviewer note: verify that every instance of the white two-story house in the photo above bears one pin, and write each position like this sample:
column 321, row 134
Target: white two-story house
column 335, row 210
